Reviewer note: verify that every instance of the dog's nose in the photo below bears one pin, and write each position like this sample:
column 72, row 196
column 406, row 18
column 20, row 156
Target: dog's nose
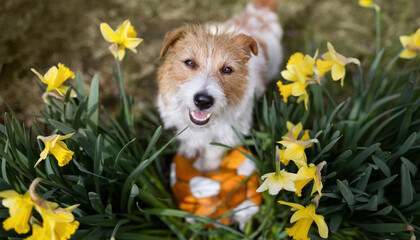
column 203, row 101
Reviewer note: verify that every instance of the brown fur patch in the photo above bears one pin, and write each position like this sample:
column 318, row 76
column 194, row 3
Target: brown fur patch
column 211, row 53
column 270, row 4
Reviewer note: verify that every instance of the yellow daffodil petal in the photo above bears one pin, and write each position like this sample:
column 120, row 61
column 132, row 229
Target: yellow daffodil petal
column 65, row 136
column 296, row 59
column 407, row 54
column 338, row 72
column 322, row 226
column 38, row 233
column 405, row 40
column 305, row 136
column 50, row 76
column 39, row 76
column 282, row 159
column 294, row 206
column 294, row 152
column 285, row 90
column 416, row 38
column 324, row 66
column 300, row 230
column 132, row 44
column 299, row 89
column 365, row 3
column 57, row 223
column 300, row 184
column 66, row 229
column 20, row 210
column 109, row 34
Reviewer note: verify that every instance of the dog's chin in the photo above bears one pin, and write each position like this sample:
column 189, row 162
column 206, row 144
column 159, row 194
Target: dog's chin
column 199, row 118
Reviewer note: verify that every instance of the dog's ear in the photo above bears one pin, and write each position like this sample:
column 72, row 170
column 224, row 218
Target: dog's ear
column 248, row 44
column 170, row 38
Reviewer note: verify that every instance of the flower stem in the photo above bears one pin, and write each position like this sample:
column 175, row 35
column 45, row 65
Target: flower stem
column 126, row 106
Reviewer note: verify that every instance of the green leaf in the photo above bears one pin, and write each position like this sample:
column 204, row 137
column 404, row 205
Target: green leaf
column 62, row 127
column 152, row 143
column 407, row 193
column 406, row 146
column 382, row 165
column 411, row 167
column 372, row 205
column 182, row 214
column 383, row 212
column 335, row 221
column 384, row 227
column 380, row 127
column 92, row 113
column 98, row 162
column 326, row 149
column 359, row 159
column 96, row 202
column 79, row 85
column 346, row 192
column 404, row 126
column 380, row 184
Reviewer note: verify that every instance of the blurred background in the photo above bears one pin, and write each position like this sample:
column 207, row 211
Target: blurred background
column 39, row 34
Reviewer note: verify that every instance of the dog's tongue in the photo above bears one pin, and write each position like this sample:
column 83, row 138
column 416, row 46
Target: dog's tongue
column 200, row 115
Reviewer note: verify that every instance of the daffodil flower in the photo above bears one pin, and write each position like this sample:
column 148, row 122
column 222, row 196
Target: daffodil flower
column 368, row 4
column 304, row 217
column 55, row 146
column 300, row 68
column 295, row 150
column 57, row 223
column 55, row 78
column 334, row 62
column 20, row 210
column 301, row 72
column 123, row 37
column 294, row 131
column 411, row 45
column 307, row 174
column 276, row 181
column 297, row 89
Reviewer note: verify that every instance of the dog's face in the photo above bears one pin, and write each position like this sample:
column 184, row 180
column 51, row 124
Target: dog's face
column 204, row 73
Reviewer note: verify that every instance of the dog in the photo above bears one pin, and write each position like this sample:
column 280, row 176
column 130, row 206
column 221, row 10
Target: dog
column 210, row 76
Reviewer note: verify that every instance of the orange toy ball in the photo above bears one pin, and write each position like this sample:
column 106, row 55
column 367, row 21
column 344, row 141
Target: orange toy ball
column 217, row 192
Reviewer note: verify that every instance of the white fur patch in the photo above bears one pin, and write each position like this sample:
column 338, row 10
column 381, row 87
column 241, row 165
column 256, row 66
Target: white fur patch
column 202, row 187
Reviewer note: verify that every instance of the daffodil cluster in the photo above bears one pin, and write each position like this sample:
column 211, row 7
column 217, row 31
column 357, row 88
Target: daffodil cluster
column 294, row 144
column 302, row 70
column 57, row 222
column 55, row 78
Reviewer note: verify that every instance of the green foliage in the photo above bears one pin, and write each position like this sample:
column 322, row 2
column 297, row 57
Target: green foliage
column 119, row 173
column 371, row 143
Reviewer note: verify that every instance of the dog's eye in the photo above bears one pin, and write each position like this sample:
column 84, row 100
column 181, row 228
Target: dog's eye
column 190, row 63
column 227, row 70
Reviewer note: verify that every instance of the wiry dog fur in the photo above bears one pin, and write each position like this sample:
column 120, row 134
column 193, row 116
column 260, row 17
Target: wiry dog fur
column 249, row 45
